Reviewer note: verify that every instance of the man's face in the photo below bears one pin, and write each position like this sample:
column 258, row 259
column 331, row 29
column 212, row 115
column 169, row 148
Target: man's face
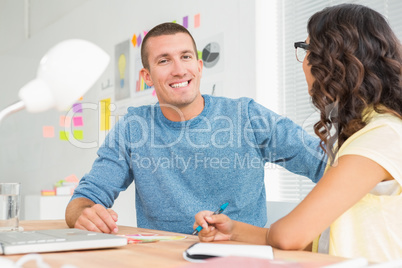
column 174, row 70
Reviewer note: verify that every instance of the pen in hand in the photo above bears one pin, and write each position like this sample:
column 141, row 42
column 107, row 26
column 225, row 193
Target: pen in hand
column 219, row 211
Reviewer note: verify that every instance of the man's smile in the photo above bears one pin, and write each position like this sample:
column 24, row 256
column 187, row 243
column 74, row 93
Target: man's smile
column 180, row 84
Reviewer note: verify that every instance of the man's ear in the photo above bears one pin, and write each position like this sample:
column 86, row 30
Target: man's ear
column 146, row 75
column 200, row 66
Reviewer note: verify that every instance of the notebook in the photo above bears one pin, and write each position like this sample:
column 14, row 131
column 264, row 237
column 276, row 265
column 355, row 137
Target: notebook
column 200, row 252
column 56, row 240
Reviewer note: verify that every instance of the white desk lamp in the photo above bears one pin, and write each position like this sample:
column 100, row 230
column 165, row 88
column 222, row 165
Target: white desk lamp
column 65, row 73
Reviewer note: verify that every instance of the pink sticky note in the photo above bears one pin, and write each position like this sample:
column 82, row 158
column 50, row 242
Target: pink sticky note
column 77, row 120
column 48, row 131
column 145, row 33
column 197, row 21
column 154, row 93
column 77, row 108
column 65, row 121
column 185, row 22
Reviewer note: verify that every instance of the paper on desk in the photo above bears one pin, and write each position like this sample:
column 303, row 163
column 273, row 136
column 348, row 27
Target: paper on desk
column 153, row 237
column 202, row 251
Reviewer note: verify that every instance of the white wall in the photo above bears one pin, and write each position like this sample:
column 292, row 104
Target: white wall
column 27, row 32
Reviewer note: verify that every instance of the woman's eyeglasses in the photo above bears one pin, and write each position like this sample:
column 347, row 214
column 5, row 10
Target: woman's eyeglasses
column 301, row 51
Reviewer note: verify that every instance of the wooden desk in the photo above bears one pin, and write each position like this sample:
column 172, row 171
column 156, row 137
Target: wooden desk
column 158, row 254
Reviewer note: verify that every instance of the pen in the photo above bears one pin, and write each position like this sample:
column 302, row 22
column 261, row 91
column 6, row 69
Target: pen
column 219, row 211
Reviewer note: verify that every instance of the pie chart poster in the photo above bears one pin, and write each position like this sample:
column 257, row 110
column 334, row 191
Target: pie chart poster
column 210, row 50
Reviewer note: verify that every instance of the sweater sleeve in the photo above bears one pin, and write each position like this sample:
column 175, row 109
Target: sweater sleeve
column 110, row 173
column 285, row 143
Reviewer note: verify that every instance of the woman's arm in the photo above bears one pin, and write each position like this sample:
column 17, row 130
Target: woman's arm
column 342, row 186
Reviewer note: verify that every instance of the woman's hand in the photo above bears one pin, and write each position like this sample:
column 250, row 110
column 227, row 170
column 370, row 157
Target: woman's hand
column 214, row 227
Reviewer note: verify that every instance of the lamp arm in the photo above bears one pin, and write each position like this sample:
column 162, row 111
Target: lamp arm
column 18, row 106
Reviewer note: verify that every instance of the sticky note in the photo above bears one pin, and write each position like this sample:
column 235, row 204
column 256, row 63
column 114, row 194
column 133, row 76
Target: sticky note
column 104, row 114
column 64, row 135
column 48, row 131
column 185, row 22
column 197, row 21
column 134, row 40
column 145, row 33
column 154, row 93
column 64, row 121
column 77, row 121
column 78, row 134
column 139, row 40
column 81, row 98
column 77, row 107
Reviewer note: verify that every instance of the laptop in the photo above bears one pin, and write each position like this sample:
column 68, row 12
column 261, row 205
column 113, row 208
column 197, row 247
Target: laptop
column 56, row 240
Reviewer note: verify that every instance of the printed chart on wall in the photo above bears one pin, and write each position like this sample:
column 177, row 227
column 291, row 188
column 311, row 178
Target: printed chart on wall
column 122, row 71
column 141, row 89
column 210, row 50
column 140, row 85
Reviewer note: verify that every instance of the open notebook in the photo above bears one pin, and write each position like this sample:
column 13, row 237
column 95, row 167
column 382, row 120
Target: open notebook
column 56, row 240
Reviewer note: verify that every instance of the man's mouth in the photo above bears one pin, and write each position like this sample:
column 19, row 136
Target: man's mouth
column 180, row 85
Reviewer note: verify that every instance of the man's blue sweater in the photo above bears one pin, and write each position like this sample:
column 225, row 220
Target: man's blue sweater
column 181, row 168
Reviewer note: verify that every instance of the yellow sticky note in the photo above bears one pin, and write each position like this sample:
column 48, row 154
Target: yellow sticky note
column 104, row 114
column 64, row 135
column 78, row 134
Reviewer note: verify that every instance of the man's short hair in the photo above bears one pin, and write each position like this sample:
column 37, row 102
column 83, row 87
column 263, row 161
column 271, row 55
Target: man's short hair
column 167, row 28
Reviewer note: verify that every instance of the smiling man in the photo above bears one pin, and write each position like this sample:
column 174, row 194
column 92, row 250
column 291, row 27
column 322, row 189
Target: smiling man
column 189, row 152
column 172, row 67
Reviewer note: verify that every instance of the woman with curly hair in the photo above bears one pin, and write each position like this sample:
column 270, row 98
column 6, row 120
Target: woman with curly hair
column 352, row 61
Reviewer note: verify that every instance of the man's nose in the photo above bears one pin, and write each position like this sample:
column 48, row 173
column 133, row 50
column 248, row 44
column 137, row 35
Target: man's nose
column 179, row 68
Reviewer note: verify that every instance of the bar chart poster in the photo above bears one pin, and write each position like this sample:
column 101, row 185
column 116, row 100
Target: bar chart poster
column 140, row 85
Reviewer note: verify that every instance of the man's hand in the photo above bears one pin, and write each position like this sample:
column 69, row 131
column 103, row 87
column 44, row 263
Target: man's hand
column 214, row 227
column 83, row 214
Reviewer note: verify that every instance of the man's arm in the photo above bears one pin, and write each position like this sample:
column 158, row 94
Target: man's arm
column 83, row 213
column 283, row 142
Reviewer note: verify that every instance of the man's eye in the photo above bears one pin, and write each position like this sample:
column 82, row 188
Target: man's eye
column 162, row 61
column 187, row 57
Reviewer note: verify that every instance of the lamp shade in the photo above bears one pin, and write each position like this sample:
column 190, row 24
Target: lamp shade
column 65, row 73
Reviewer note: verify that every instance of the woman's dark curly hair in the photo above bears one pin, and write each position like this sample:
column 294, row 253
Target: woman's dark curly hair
column 356, row 61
